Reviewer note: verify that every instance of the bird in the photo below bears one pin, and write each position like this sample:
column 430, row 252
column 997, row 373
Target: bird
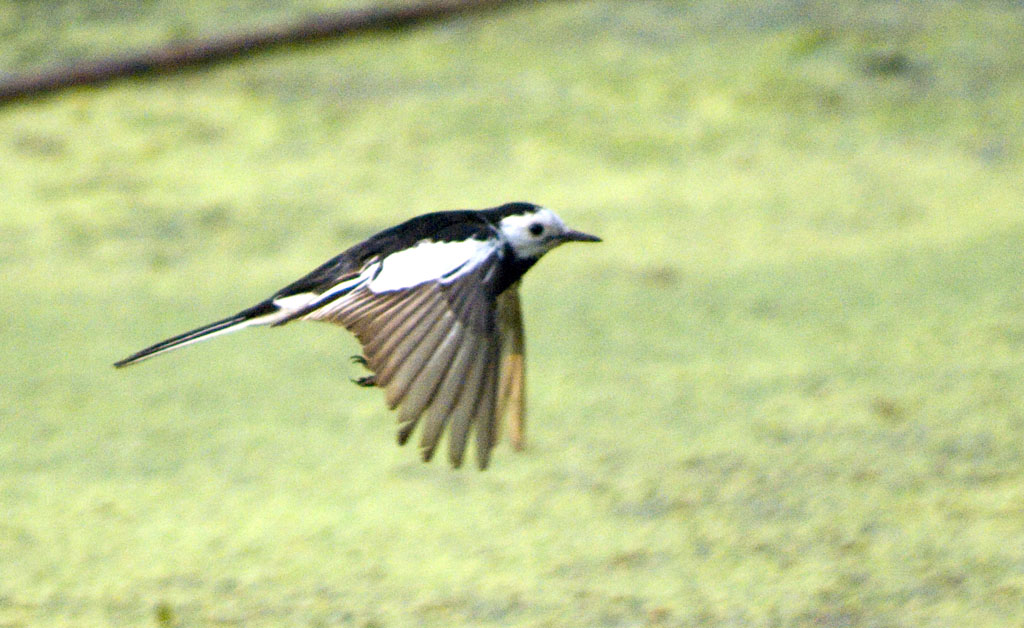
column 434, row 303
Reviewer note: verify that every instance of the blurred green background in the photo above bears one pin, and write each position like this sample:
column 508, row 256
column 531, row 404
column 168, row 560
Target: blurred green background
column 785, row 391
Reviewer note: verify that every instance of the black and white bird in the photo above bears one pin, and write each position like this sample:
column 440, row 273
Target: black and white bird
column 434, row 302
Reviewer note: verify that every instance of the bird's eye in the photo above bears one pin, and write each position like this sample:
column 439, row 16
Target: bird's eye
column 536, row 229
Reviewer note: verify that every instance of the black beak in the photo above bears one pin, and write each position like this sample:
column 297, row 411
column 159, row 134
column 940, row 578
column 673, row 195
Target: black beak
column 578, row 236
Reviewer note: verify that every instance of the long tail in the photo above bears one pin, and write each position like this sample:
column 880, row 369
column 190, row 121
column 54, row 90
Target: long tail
column 261, row 314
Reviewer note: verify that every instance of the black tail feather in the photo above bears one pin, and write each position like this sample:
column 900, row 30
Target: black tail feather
column 200, row 333
column 171, row 343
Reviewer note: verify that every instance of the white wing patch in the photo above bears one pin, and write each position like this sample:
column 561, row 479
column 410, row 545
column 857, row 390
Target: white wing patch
column 430, row 261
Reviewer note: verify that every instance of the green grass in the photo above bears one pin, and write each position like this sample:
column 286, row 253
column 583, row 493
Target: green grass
column 786, row 391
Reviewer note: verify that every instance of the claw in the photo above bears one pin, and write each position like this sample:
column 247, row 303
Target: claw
column 367, row 381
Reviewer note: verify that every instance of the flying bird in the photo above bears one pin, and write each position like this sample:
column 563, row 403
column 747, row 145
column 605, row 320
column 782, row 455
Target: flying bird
column 434, row 302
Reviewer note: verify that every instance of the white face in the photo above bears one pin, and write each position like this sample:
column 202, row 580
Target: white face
column 534, row 233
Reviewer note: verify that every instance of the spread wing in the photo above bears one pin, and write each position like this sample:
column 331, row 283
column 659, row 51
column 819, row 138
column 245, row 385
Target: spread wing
column 432, row 334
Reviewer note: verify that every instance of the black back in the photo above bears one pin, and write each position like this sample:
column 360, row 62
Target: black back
column 446, row 226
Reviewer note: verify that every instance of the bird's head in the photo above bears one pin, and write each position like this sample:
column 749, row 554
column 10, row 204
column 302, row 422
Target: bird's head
column 532, row 230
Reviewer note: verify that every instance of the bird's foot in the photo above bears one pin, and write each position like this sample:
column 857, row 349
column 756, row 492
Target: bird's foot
column 367, row 381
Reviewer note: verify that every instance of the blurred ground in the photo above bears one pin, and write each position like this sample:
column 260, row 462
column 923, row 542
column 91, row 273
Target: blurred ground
column 786, row 390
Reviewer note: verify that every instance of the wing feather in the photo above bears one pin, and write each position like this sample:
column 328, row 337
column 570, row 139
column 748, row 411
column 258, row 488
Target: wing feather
column 511, row 405
column 399, row 373
column 451, row 390
column 487, row 419
column 412, row 313
column 461, row 416
column 401, row 347
column 353, row 307
column 429, row 382
column 440, row 352
column 422, row 392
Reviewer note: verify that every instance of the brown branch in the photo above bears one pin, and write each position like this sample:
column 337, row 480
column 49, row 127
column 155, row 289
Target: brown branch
column 204, row 52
